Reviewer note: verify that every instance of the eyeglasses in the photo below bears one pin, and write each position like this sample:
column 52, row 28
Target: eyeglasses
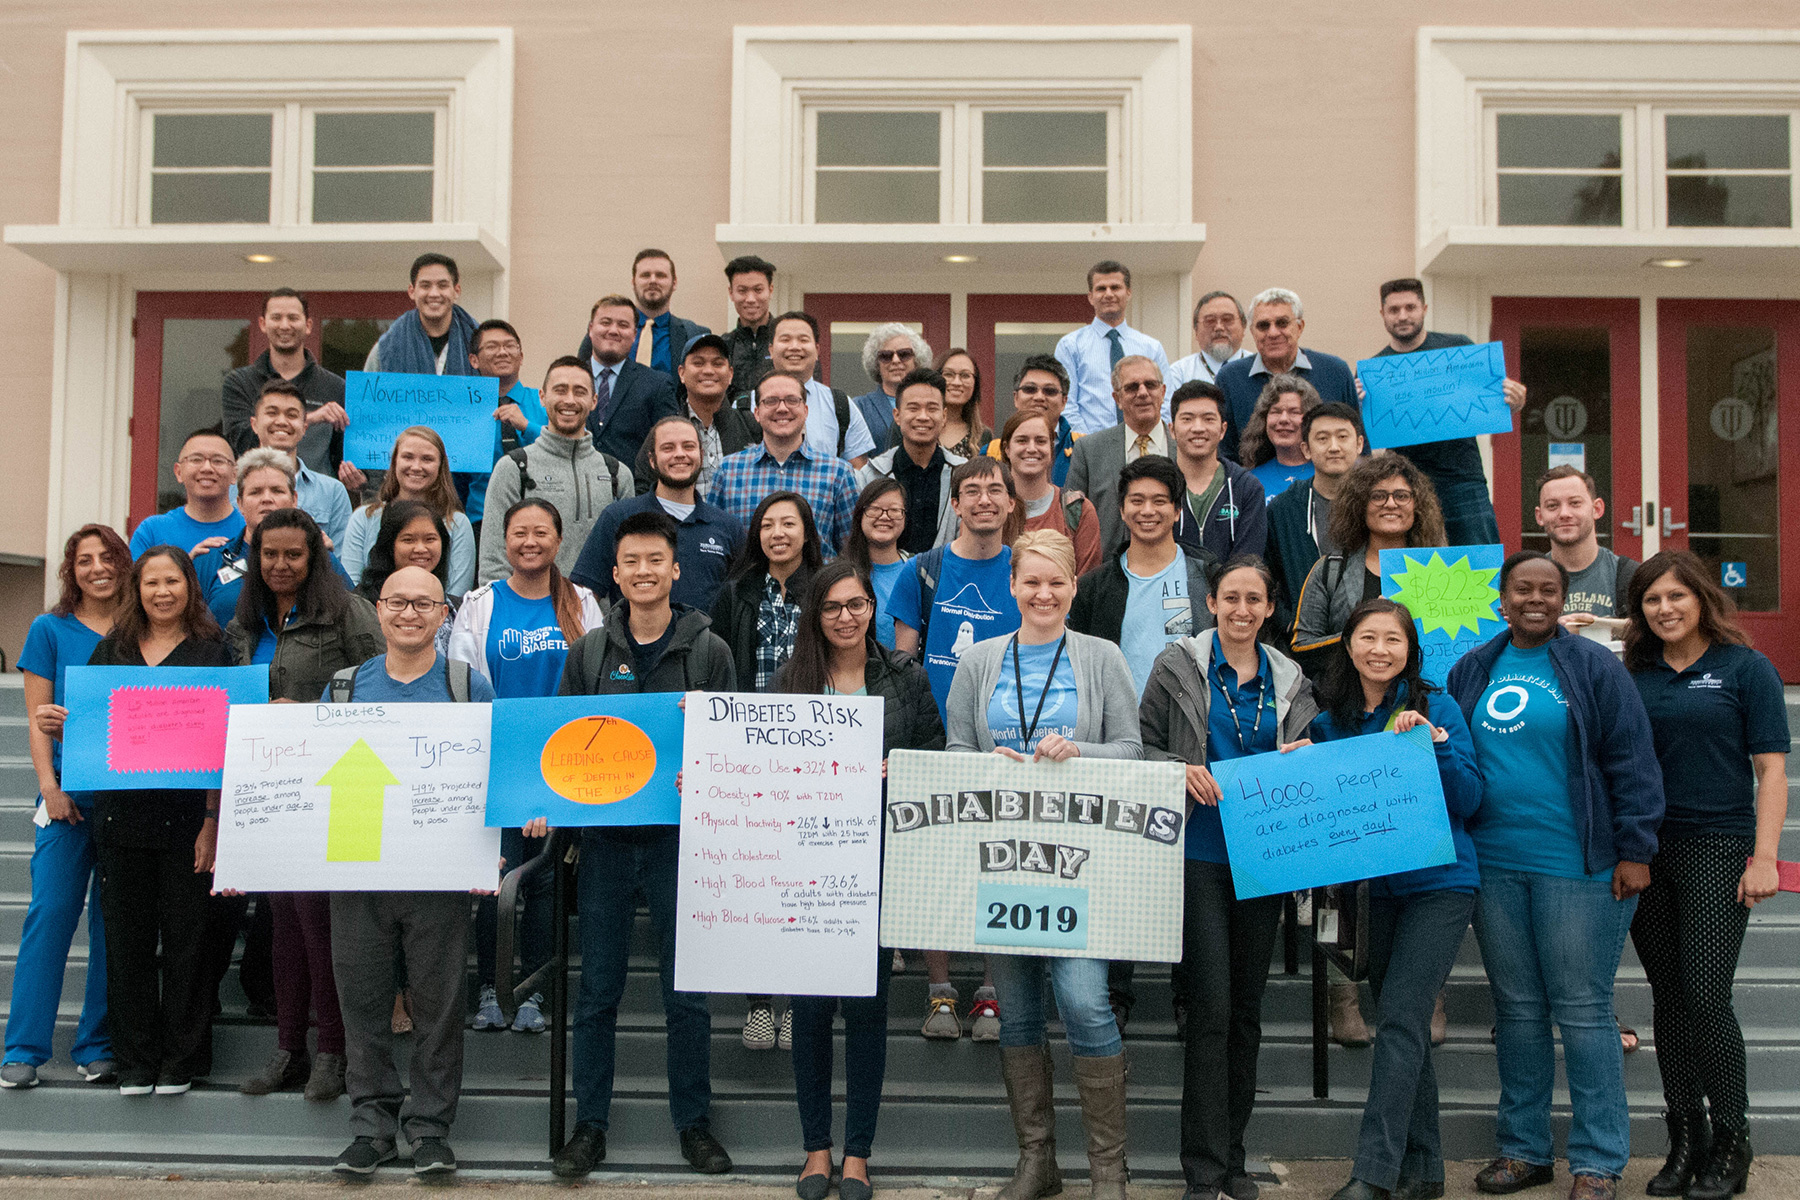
column 1281, row 323
column 831, row 610
column 1397, row 497
column 781, row 402
column 1142, row 385
column 501, row 346
column 885, row 512
column 399, row 604
column 959, row 377
column 1032, row 389
column 888, row 356
column 210, row 460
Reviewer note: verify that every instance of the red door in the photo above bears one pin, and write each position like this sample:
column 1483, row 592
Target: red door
column 1726, row 370
column 1578, row 359
column 1004, row 330
column 188, row 341
column 847, row 318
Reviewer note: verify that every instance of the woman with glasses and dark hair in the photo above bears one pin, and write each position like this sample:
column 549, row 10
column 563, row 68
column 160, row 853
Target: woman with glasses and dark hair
column 1571, row 801
column 836, row 654
column 295, row 614
column 95, row 563
column 155, row 851
column 874, row 545
column 1719, row 719
column 964, row 433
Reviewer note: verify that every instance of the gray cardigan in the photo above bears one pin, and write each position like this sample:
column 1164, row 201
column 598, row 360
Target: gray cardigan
column 1106, row 722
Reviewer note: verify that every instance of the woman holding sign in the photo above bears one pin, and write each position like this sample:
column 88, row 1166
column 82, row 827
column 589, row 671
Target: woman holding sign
column 1720, row 723
column 1223, row 694
column 155, row 852
column 837, row 654
column 1571, row 801
column 418, row 469
column 1417, row 919
column 1046, row 693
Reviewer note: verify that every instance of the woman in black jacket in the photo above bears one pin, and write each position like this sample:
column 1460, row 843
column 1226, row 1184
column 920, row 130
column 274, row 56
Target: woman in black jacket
column 836, row 654
column 155, row 852
column 758, row 612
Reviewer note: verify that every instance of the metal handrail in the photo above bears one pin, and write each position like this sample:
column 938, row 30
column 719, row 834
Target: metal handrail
column 558, row 855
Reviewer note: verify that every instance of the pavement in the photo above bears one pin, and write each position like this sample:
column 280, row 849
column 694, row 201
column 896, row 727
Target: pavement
column 1301, row 1180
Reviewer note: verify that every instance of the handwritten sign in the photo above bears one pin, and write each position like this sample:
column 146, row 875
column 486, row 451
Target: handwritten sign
column 586, row 760
column 1331, row 813
column 1079, row 859
column 459, row 407
column 1435, row 395
column 1452, row 595
column 780, row 845
column 132, row 728
column 356, row 798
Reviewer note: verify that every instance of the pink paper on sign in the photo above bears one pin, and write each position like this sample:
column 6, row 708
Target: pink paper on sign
column 167, row 728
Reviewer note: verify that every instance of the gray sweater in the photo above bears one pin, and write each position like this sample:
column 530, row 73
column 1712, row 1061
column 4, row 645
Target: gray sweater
column 569, row 473
column 1106, row 722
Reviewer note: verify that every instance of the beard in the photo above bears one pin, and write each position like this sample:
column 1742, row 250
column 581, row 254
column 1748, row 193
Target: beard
column 1220, row 349
column 671, row 481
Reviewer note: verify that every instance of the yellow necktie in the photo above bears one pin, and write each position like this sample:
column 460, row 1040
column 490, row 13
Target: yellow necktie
column 646, row 344
column 1143, row 444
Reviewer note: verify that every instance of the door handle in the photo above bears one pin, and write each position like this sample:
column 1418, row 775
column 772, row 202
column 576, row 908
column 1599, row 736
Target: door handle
column 1669, row 523
column 1635, row 526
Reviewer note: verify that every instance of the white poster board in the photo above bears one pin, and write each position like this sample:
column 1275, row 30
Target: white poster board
column 780, row 845
column 356, row 798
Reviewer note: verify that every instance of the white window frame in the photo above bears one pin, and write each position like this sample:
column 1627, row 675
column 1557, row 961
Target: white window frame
column 1658, row 135
column 809, row 167
column 1628, row 197
column 440, row 148
column 1112, row 107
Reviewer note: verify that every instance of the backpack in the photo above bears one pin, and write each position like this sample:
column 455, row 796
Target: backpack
column 456, row 681
column 528, row 484
column 1072, row 502
column 927, row 567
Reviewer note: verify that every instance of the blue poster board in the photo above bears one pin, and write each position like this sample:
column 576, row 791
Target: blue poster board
column 133, row 728
column 1334, row 812
column 459, row 407
column 1453, row 593
column 586, row 760
column 1434, row 395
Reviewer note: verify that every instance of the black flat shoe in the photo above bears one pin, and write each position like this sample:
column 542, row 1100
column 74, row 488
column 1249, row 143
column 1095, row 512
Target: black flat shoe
column 1357, row 1189
column 1419, row 1189
column 813, row 1187
column 581, row 1153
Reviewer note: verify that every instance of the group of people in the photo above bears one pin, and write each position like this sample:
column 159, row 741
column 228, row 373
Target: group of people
column 1172, row 561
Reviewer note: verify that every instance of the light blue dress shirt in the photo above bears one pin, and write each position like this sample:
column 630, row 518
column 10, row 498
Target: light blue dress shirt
column 1086, row 354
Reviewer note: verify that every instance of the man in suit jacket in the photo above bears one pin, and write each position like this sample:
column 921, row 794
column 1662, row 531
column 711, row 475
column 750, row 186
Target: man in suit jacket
column 1094, row 470
column 653, row 286
column 629, row 397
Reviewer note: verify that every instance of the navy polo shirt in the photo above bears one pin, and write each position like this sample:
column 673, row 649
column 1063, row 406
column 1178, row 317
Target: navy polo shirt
column 705, row 544
column 1708, row 720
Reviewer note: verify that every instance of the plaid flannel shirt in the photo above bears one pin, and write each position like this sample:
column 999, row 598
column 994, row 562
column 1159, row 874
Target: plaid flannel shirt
column 777, row 624
column 829, row 485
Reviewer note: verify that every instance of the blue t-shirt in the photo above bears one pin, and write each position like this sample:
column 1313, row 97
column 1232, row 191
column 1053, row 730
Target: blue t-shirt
column 176, row 528
column 1034, row 681
column 973, row 603
column 53, row 644
column 1521, row 731
column 883, row 575
column 525, row 645
column 1240, row 721
column 1157, row 612
column 1277, row 478
column 375, row 685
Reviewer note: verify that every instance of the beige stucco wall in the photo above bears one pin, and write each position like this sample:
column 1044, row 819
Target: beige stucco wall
column 1303, row 160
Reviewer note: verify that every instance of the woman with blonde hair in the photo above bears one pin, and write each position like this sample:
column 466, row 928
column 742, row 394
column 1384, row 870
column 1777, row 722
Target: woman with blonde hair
column 418, row 469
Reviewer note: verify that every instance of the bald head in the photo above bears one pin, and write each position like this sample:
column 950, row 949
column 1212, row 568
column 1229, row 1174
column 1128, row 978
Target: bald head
column 406, row 627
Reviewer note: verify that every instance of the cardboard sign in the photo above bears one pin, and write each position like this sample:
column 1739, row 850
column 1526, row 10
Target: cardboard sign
column 1078, row 859
column 586, row 760
column 1334, row 812
column 459, row 407
column 1435, row 395
column 356, row 798
column 134, row 728
column 1454, row 598
column 780, row 845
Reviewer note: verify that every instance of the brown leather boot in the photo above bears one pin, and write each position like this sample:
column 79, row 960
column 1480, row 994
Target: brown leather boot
column 1030, row 1091
column 1347, row 1027
column 1102, row 1084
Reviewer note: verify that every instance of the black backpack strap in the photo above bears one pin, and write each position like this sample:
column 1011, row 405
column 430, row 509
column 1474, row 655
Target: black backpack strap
column 343, row 686
column 526, row 483
column 926, row 567
column 1333, row 561
column 840, row 402
column 456, row 679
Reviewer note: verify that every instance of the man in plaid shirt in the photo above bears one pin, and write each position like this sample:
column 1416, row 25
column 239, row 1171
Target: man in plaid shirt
column 782, row 462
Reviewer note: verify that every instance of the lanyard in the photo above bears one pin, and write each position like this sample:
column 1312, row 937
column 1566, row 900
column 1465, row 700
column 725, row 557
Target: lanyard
column 1218, row 681
column 1019, row 687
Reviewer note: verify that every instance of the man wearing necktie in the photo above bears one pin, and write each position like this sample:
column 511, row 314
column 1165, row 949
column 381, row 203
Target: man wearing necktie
column 628, row 397
column 653, row 289
column 1090, row 354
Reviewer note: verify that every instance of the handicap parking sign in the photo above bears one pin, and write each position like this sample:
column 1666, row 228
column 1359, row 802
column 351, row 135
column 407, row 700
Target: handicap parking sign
column 1734, row 574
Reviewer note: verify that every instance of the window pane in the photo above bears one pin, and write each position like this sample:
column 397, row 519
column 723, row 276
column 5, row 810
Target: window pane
column 1567, row 373
column 372, row 139
column 1740, row 200
column 1010, row 197
column 197, row 354
column 1014, row 342
column 1559, row 200
column 1734, row 457
column 876, row 197
column 345, row 342
column 1730, row 143
column 212, row 140
column 878, row 139
column 1558, row 140
column 344, row 196
column 206, row 198
column 1043, row 139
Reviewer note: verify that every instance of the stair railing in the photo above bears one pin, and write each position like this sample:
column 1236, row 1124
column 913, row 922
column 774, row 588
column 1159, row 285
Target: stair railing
column 559, row 855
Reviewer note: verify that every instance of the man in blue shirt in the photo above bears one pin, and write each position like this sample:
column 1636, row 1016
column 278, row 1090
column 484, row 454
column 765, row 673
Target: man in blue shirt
column 498, row 352
column 1089, row 353
column 430, row 929
column 204, row 468
column 278, row 423
column 1277, row 319
column 1042, row 386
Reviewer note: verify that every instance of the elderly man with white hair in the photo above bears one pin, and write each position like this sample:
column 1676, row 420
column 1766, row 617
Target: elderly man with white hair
column 1277, row 319
column 890, row 351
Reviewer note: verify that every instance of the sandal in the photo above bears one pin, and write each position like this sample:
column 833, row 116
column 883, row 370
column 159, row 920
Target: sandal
column 1628, row 1037
column 402, row 1021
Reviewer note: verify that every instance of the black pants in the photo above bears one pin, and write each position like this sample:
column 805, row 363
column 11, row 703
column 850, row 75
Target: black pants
column 159, row 1014
column 1688, row 930
column 1226, row 947
column 226, row 918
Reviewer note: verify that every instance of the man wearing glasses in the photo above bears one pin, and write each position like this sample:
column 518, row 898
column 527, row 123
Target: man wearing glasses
column 205, row 467
column 1219, row 327
column 1277, row 319
column 497, row 352
column 1094, row 468
column 1091, row 352
column 1042, row 386
column 785, row 460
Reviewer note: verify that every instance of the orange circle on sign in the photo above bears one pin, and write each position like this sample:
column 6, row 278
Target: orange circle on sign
column 598, row 760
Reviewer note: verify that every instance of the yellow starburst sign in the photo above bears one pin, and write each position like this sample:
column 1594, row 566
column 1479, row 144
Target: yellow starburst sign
column 1446, row 596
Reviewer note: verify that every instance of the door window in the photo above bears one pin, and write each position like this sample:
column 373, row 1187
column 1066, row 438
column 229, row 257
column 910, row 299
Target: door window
column 1734, row 460
column 1567, row 373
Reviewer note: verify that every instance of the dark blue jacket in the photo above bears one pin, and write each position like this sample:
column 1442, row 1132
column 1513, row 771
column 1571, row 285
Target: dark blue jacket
column 1615, row 784
column 705, row 545
column 1326, row 372
column 1462, row 796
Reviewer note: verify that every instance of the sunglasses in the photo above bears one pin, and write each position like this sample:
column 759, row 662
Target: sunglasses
column 889, row 356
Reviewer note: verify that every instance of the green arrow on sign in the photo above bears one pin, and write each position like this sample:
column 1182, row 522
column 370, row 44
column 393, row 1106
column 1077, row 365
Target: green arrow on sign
column 358, row 782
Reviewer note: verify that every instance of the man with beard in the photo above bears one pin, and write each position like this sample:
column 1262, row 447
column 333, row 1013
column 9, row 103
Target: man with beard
column 653, row 287
column 1219, row 327
column 706, row 536
column 1569, row 508
column 705, row 374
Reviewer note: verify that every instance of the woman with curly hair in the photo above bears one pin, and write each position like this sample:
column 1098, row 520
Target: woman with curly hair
column 1273, row 446
column 888, row 353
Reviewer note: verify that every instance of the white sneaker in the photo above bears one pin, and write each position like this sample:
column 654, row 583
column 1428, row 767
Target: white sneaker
column 488, row 1016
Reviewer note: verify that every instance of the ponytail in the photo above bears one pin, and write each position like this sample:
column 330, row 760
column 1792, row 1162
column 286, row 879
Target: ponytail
column 568, row 606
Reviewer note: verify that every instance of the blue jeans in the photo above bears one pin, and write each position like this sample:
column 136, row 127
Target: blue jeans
column 865, row 1064
column 62, row 879
column 1412, row 946
column 1551, row 946
column 1081, row 998
column 1468, row 513
column 615, row 863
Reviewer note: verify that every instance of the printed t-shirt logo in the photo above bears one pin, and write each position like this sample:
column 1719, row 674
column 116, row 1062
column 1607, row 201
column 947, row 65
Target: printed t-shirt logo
column 712, row 545
column 1706, row 681
column 517, row 643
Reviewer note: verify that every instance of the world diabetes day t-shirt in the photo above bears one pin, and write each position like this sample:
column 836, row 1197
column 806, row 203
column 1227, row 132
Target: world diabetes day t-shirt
column 973, row 603
column 1033, row 694
column 525, row 645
